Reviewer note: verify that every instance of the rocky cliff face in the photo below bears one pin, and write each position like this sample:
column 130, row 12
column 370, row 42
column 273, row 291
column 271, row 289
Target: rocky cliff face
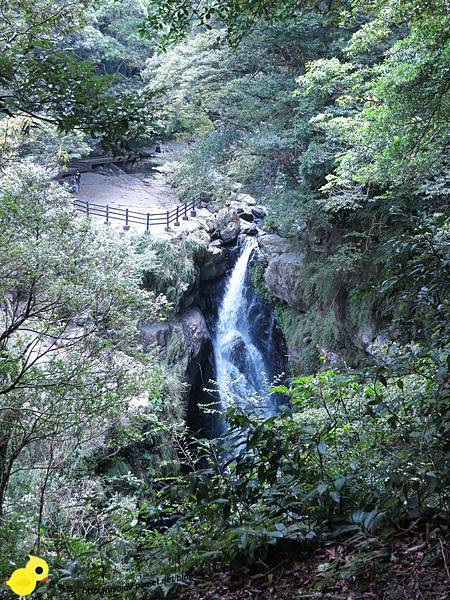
column 313, row 327
column 184, row 342
column 283, row 279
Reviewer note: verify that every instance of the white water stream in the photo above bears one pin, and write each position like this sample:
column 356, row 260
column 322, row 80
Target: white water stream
column 241, row 372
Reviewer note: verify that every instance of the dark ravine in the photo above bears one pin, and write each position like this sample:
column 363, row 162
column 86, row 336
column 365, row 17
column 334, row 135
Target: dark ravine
column 272, row 321
column 190, row 340
column 244, row 348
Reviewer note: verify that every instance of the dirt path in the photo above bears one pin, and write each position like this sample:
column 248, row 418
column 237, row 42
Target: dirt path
column 142, row 192
column 149, row 193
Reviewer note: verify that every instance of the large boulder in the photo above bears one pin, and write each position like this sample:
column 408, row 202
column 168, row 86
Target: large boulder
column 246, row 199
column 185, row 342
column 248, row 228
column 228, row 225
column 246, row 215
column 215, row 264
column 259, row 212
column 243, row 210
column 273, row 245
column 284, row 279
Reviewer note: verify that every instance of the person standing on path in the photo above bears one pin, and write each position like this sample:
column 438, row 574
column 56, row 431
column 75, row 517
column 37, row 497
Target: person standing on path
column 78, row 180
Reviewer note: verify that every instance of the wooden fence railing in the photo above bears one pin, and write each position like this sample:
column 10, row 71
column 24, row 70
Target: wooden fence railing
column 128, row 216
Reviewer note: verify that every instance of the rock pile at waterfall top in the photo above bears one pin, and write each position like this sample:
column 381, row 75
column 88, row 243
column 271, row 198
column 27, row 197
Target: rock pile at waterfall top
column 241, row 216
column 248, row 228
column 228, row 225
column 215, row 264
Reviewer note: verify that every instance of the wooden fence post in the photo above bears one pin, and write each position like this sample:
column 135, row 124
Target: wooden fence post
column 185, row 217
column 126, row 226
column 193, row 213
column 147, row 231
column 87, row 208
column 107, row 215
column 177, row 222
column 167, row 221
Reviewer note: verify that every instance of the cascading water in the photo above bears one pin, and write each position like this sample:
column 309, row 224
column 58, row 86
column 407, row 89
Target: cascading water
column 242, row 373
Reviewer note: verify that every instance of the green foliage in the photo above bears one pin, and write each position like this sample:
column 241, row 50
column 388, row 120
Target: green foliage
column 418, row 277
column 258, row 282
column 361, row 303
column 169, row 267
column 307, row 336
column 246, row 98
column 27, row 137
column 110, row 38
column 198, row 180
column 174, row 18
column 351, row 455
column 40, row 80
column 71, row 373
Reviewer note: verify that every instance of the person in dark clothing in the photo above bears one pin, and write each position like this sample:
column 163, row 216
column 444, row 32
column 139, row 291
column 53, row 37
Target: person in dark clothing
column 78, row 180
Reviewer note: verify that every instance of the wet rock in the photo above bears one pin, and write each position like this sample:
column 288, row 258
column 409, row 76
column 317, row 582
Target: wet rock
column 190, row 299
column 273, row 245
column 214, row 265
column 228, row 225
column 239, row 355
column 184, row 342
column 246, row 199
column 259, row 212
column 247, row 216
column 156, row 334
column 283, row 278
column 238, row 206
column 242, row 210
column 248, row 228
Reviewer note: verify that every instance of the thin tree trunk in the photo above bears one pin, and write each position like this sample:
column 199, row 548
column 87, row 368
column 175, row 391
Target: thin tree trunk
column 5, row 464
column 42, row 499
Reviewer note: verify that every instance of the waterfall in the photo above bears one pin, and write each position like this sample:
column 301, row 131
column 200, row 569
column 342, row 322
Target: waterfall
column 242, row 374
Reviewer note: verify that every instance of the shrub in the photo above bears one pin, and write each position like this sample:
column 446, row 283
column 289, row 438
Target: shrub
column 169, row 267
column 352, row 454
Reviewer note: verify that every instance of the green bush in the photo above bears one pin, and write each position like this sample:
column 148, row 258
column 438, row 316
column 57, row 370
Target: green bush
column 352, row 455
column 169, row 267
column 307, row 335
column 257, row 277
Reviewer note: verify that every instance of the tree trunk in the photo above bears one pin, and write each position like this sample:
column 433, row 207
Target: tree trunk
column 6, row 457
